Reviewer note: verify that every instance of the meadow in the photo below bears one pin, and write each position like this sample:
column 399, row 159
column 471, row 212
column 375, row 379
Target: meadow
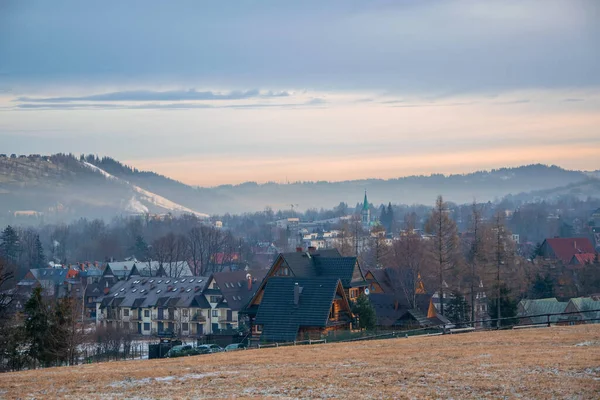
column 542, row 363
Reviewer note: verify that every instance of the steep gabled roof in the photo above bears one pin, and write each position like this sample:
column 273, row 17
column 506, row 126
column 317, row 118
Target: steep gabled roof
column 234, row 286
column 324, row 263
column 388, row 309
column 542, row 306
column 281, row 318
column 582, row 259
column 565, row 248
column 54, row 276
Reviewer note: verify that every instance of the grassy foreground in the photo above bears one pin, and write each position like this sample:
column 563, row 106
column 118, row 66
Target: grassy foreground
column 557, row 362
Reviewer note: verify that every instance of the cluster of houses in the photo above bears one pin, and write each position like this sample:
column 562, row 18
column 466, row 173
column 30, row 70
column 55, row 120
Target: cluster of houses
column 576, row 311
column 305, row 294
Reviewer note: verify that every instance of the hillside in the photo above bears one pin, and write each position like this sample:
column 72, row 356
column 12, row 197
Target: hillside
column 64, row 187
column 61, row 187
column 557, row 362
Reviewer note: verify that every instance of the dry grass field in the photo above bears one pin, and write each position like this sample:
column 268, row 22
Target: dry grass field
column 546, row 363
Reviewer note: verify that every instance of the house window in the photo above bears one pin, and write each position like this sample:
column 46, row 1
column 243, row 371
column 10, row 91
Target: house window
column 147, row 315
column 284, row 271
column 146, row 326
column 185, row 312
column 215, row 313
column 353, row 293
column 126, row 312
column 215, row 299
column 332, row 312
column 185, row 327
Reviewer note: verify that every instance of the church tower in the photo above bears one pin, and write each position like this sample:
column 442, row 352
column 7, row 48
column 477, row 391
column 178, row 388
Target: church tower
column 366, row 213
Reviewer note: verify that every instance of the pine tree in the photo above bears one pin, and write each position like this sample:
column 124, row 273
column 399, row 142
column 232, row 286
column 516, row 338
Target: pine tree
column 37, row 328
column 390, row 218
column 458, row 309
column 40, row 259
column 543, row 287
column 365, row 312
column 9, row 245
column 140, row 249
column 508, row 307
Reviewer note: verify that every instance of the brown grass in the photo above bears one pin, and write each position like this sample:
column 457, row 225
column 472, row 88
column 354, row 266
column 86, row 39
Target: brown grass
column 558, row 362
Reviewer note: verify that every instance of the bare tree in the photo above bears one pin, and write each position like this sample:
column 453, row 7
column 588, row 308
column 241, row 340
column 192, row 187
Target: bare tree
column 409, row 256
column 170, row 252
column 503, row 250
column 445, row 244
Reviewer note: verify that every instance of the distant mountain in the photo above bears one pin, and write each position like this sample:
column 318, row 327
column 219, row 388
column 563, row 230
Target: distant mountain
column 66, row 187
column 61, row 187
column 482, row 186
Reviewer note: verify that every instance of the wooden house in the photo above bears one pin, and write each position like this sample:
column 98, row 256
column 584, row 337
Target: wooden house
column 301, row 309
column 311, row 265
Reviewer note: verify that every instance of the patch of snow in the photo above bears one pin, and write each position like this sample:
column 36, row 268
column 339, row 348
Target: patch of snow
column 146, row 195
column 588, row 343
column 134, row 206
column 167, row 379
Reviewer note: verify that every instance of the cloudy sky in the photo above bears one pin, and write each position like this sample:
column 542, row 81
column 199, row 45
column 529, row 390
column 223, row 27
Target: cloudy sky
column 226, row 92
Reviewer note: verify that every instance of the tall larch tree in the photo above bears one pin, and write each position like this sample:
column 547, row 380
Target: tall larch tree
column 445, row 244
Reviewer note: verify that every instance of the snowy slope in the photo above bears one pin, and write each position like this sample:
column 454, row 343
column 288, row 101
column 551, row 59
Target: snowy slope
column 136, row 203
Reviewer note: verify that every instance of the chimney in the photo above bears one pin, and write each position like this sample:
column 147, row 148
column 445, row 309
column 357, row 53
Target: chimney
column 296, row 294
column 312, row 249
column 249, row 280
column 106, row 290
column 298, row 249
column 575, row 244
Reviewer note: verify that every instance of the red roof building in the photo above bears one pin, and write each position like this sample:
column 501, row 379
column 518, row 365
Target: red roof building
column 565, row 248
column 582, row 259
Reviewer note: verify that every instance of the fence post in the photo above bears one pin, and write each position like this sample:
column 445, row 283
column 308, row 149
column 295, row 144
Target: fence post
column 309, row 341
column 548, row 316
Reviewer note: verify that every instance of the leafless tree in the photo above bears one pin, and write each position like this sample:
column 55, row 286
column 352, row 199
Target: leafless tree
column 445, row 244
column 409, row 256
column 170, row 252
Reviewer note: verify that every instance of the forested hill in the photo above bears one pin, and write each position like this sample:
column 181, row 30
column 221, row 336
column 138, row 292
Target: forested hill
column 66, row 187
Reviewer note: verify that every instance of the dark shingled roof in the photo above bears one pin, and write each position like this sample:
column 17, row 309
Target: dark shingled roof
column 234, row 287
column 324, row 263
column 281, row 318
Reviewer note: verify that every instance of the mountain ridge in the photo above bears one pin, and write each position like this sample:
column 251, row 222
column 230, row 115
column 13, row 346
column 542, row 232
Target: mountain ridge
column 45, row 183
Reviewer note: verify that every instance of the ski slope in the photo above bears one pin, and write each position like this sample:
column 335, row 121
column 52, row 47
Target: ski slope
column 136, row 204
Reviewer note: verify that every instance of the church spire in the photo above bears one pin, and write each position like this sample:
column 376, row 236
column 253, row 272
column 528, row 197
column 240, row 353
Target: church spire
column 365, row 202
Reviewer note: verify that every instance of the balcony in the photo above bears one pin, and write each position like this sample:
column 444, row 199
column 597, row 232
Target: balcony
column 225, row 320
column 199, row 318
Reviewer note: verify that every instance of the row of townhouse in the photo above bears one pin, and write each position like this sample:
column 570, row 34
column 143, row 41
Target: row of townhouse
column 188, row 306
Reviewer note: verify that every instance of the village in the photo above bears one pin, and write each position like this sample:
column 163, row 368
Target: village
column 313, row 293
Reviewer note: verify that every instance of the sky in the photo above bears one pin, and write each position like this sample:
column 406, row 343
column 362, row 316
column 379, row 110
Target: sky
column 214, row 93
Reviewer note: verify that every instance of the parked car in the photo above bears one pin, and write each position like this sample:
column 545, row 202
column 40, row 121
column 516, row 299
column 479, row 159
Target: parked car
column 235, row 347
column 212, row 348
column 179, row 351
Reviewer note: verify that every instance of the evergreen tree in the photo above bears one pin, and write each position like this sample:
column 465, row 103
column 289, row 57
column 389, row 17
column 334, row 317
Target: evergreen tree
column 458, row 309
column 390, row 218
column 140, row 249
column 365, row 312
column 37, row 328
column 508, row 307
column 543, row 287
column 61, row 345
column 40, row 258
column 9, row 245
